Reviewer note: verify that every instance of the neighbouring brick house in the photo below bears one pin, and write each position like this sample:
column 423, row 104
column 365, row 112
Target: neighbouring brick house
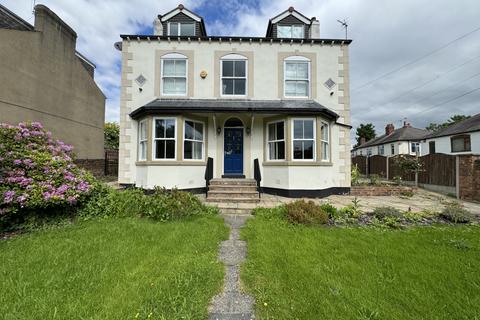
column 43, row 78
column 277, row 105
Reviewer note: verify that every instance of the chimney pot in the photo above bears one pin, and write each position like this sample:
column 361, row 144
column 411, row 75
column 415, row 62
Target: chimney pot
column 389, row 129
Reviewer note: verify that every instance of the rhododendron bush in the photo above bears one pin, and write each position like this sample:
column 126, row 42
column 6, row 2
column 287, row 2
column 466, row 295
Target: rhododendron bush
column 37, row 171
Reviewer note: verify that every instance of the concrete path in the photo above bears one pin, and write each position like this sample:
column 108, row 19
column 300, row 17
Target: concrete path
column 232, row 304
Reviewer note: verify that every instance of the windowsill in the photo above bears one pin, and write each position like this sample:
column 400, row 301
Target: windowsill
column 295, row 98
column 171, row 163
column 298, row 163
column 172, row 96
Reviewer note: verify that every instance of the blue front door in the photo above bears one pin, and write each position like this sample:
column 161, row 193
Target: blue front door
column 233, row 150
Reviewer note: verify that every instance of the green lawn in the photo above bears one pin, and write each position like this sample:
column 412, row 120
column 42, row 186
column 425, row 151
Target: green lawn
column 335, row 273
column 113, row 269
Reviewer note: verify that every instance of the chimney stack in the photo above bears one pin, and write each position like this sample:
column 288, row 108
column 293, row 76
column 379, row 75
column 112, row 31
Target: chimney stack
column 389, row 129
column 406, row 124
column 158, row 26
column 315, row 29
column 362, row 140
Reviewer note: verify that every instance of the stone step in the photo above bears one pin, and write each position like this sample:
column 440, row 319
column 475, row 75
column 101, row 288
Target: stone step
column 226, row 198
column 247, row 182
column 232, row 194
column 228, row 187
column 233, row 205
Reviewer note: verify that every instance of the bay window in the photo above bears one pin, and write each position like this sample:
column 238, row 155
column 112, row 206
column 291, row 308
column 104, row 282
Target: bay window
column 297, row 77
column 303, row 139
column 174, row 75
column 276, row 140
column 164, row 140
column 325, row 140
column 142, row 140
column 193, row 142
column 234, row 75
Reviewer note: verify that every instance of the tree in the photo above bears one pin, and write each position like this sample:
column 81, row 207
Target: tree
column 111, row 133
column 453, row 119
column 366, row 131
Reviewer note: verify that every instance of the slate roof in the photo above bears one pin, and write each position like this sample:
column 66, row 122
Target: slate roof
column 401, row 134
column 468, row 125
column 229, row 105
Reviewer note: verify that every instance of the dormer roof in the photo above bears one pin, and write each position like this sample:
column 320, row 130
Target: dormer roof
column 182, row 14
column 289, row 16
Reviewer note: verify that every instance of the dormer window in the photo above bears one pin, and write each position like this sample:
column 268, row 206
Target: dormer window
column 177, row 29
column 293, row 31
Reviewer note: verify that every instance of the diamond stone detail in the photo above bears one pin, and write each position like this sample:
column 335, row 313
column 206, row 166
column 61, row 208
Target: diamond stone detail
column 330, row 83
column 141, row 80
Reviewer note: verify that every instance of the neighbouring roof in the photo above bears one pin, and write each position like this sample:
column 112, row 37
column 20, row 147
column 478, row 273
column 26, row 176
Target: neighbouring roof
column 405, row 133
column 228, row 105
column 468, row 125
column 9, row 20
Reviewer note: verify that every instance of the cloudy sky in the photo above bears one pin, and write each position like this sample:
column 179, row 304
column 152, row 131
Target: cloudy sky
column 413, row 59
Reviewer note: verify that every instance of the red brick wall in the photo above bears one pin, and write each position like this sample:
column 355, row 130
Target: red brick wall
column 469, row 177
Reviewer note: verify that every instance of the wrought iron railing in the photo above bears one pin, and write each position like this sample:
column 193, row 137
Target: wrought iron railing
column 257, row 175
column 208, row 174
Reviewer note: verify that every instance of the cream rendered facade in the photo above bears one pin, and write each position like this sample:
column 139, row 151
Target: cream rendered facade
column 265, row 68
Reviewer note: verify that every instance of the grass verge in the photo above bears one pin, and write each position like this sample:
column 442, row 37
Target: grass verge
column 298, row 272
column 113, row 269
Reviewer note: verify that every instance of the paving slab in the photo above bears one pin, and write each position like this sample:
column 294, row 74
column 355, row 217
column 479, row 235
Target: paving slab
column 232, row 303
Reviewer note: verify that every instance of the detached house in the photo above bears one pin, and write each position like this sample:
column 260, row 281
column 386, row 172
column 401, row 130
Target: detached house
column 405, row 140
column 196, row 106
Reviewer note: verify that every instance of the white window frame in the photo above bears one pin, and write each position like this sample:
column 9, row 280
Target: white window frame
column 291, row 30
column 392, row 149
column 179, row 32
column 326, row 142
column 296, row 59
column 233, row 57
column 154, row 139
column 193, row 140
column 276, row 140
column 173, row 56
column 314, row 139
column 381, row 149
column 417, row 147
column 142, row 141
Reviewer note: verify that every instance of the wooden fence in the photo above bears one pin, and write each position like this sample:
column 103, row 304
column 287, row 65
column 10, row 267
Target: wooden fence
column 437, row 169
column 361, row 163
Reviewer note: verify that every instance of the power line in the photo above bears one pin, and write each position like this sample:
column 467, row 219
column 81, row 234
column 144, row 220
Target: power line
column 445, row 102
column 416, row 60
column 443, row 90
column 430, row 81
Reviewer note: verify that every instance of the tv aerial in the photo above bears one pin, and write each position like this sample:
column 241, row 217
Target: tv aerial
column 344, row 24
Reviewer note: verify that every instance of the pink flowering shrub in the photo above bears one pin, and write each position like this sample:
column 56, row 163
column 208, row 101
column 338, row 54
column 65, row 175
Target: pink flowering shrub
column 37, row 171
